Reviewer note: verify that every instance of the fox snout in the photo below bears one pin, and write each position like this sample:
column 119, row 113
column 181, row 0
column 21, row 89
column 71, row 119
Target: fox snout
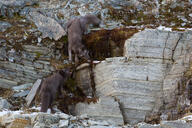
column 85, row 55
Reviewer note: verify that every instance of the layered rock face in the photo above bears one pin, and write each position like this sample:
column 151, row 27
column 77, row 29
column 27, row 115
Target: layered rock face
column 171, row 50
column 145, row 80
column 136, row 84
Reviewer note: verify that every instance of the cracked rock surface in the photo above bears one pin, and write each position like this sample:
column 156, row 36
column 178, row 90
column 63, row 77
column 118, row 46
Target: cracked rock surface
column 146, row 79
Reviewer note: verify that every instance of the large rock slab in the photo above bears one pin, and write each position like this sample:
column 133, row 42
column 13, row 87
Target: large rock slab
column 33, row 92
column 48, row 26
column 137, row 84
column 105, row 109
column 182, row 61
column 148, row 75
column 152, row 44
column 83, row 79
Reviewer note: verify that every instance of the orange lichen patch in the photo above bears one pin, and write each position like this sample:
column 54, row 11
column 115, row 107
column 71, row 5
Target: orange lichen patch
column 30, row 110
column 20, row 123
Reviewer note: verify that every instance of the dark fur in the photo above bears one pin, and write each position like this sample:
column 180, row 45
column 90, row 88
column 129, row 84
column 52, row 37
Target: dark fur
column 50, row 86
column 75, row 29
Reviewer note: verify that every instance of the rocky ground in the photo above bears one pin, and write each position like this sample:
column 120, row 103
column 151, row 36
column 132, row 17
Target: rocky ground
column 141, row 72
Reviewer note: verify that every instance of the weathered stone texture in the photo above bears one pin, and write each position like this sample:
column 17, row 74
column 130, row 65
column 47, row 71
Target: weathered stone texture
column 4, row 104
column 48, row 26
column 4, row 26
column 148, row 75
column 83, row 79
column 105, row 109
column 137, row 84
column 34, row 63
column 152, row 44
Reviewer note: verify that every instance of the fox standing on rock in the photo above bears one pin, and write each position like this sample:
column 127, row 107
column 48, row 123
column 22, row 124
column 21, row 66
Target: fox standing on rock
column 50, row 86
column 75, row 29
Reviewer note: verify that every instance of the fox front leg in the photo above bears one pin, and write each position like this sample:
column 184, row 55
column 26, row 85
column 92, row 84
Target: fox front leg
column 70, row 55
column 76, row 59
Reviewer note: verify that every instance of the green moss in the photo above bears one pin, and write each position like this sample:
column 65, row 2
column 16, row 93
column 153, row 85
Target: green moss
column 38, row 54
column 65, row 39
column 36, row 5
column 71, row 85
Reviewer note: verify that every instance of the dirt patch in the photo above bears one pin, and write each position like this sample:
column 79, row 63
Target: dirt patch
column 107, row 43
column 6, row 93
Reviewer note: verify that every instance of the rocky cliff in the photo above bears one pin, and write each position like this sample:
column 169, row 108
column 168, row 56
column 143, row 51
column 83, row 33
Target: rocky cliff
column 141, row 74
column 147, row 81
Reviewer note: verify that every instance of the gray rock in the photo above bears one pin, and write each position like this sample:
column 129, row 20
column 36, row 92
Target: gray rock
column 21, row 94
column 145, row 125
column 119, row 4
column 105, row 109
column 36, row 49
column 83, row 79
column 160, row 45
column 17, row 3
column 48, row 26
column 4, row 104
column 5, row 83
column 22, row 87
column 100, row 126
column 16, row 119
column 92, row 123
column 175, row 124
column 147, row 70
column 167, row 124
column 136, row 84
column 4, row 26
column 47, row 119
column 63, row 123
column 33, row 92
column 12, row 7
column 63, row 116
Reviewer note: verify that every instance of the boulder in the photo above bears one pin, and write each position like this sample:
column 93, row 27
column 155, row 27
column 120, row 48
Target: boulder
column 83, row 79
column 21, row 94
column 105, row 109
column 47, row 119
column 22, row 87
column 4, row 104
column 136, row 84
column 148, row 75
column 48, row 26
column 16, row 119
column 63, row 123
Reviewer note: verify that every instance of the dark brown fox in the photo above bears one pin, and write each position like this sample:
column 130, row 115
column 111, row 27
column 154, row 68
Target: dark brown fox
column 50, row 86
column 75, row 29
